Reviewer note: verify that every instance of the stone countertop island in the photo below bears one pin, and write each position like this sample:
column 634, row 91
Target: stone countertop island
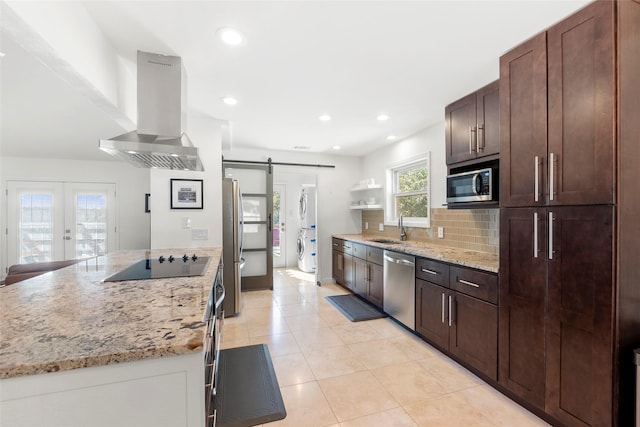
column 147, row 334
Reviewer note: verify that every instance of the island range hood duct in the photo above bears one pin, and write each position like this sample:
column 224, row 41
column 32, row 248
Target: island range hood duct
column 159, row 141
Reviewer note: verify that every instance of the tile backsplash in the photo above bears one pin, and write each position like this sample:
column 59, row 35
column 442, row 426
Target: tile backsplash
column 474, row 229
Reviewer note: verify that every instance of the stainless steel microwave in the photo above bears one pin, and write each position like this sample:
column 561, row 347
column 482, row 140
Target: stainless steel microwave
column 474, row 186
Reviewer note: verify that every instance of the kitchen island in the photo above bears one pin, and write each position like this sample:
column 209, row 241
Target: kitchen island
column 76, row 350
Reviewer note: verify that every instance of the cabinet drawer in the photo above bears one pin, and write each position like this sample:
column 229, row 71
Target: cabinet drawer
column 336, row 244
column 374, row 255
column 359, row 250
column 432, row 271
column 347, row 247
column 475, row 283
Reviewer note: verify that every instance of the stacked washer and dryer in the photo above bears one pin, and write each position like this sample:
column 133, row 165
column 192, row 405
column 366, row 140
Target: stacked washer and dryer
column 307, row 234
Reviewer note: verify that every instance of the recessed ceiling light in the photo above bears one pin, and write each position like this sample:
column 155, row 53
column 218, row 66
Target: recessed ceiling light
column 336, row 147
column 1, row 54
column 391, row 137
column 324, row 117
column 229, row 100
column 132, row 152
column 174, row 155
column 382, row 117
column 230, row 36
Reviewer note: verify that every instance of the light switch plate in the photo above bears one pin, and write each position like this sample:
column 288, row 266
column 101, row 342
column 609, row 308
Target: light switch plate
column 440, row 232
column 200, row 234
column 186, row 222
column 381, row 227
column 366, row 225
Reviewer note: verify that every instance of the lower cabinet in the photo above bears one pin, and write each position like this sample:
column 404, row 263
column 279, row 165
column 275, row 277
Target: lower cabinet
column 454, row 318
column 358, row 267
column 368, row 273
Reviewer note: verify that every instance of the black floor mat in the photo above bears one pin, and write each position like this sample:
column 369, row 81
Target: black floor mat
column 247, row 391
column 354, row 308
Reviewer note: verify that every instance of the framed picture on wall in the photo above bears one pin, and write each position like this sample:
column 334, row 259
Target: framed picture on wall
column 186, row 194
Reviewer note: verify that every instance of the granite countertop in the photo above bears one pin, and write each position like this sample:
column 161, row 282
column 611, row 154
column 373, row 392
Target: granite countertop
column 474, row 259
column 70, row 318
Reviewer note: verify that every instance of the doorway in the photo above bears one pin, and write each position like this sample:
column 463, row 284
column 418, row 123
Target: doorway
column 279, row 225
column 52, row 221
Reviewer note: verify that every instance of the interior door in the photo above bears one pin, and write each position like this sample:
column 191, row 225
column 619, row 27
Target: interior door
column 279, row 225
column 256, row 187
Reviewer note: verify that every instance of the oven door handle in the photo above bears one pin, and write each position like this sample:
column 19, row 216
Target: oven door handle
column 221, row 296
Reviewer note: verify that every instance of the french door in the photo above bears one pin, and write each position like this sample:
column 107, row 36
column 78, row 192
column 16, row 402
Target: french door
column 50, row 221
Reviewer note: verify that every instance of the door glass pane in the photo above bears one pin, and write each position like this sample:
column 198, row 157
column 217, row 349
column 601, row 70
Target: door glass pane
column 254, row 208
column 276, row 223
column 255, row 265
column 252, row 181
column 254, row 236
column 36, row 228
column 91, row 225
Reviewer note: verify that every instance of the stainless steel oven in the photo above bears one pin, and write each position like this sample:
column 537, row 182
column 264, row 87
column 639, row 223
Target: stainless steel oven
column 473, row 186
column 214, row 318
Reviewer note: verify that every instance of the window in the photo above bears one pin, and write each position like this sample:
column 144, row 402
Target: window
column 408, row 194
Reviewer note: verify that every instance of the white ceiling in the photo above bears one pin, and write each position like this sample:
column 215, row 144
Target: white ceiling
column 350, row 59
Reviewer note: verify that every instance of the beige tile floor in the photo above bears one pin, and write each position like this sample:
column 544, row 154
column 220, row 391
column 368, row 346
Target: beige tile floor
column 333, row 372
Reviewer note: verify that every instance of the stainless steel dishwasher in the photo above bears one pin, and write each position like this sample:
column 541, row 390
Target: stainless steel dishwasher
column 399, row 288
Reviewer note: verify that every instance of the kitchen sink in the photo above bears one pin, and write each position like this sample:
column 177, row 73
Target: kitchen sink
column 386, row 241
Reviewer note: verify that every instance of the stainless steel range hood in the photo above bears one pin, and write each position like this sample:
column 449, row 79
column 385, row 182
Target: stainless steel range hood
column 159, row 141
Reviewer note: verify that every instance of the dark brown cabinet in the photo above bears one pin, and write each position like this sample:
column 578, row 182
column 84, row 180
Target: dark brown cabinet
column 342, row 268
column 472, row 125
column 358, row 267
column 522, row 302
column 559, row 361
column 560, row 83
column 368, row 274
column 337, row 261
column 579, row 361
column 450, row 315
column 569, row 310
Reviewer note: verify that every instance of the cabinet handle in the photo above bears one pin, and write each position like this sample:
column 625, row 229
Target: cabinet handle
column 367, row 274
column 335, row 244
column 443, row 307
column 464, row 282
column 552, row 160
column 450, row 310
column 550, row 235
column 535, row 235
column 480, row 143
column 472, row 130
column 536, row 178
column 424, row 270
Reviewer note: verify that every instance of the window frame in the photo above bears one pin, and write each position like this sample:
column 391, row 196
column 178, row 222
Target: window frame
column 391, row 194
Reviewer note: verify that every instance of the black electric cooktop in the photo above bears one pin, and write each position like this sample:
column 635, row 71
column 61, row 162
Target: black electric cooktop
column 162, row 267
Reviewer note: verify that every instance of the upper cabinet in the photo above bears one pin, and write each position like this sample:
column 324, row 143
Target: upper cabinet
column 560, row 84
column 472, row 125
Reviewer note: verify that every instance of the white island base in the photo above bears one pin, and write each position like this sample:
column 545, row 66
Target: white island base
column 154, row 392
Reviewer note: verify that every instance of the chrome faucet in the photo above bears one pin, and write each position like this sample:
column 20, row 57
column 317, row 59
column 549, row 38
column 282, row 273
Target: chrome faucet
column 403, row 233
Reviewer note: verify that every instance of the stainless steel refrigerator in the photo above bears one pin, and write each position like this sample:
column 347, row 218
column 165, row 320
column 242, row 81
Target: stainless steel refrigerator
column 232, row 233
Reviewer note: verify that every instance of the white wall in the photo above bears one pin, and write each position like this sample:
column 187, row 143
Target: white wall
column 166, row 224
column 131, row 185
column 430, row 140
column 334, row 216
